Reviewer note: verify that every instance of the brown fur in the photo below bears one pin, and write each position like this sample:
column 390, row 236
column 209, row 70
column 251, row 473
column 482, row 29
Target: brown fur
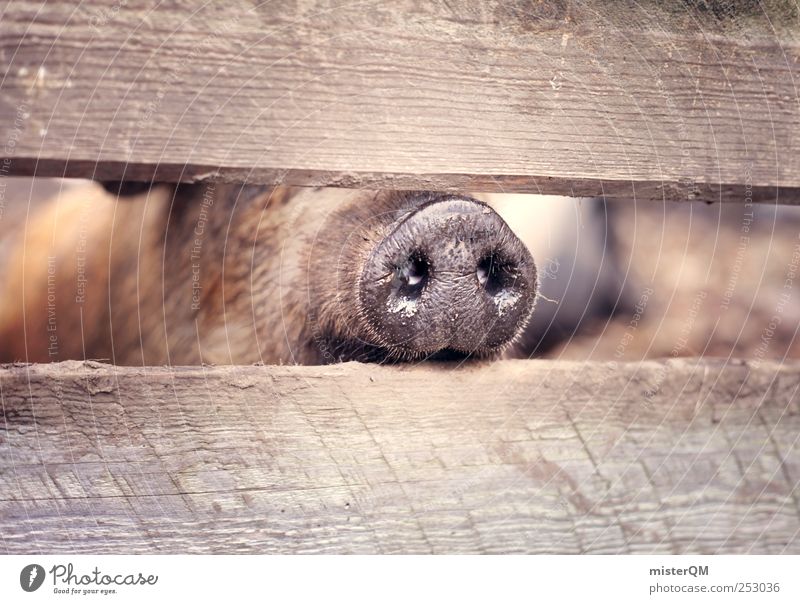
column 196, row 273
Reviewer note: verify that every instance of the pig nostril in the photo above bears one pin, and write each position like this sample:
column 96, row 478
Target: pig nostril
column 495, row 273
column 411, row 276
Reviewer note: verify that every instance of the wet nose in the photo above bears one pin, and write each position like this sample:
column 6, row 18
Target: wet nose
column 451, row 276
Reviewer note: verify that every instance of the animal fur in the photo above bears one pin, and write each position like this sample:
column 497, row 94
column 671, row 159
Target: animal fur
column 207, row 273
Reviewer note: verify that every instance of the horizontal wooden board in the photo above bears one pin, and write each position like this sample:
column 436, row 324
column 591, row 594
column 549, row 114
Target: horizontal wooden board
column 676, row 456
column 652, row 100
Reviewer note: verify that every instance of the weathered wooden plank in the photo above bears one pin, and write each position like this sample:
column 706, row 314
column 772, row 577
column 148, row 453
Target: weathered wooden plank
column 516, row 456
column 653, row 100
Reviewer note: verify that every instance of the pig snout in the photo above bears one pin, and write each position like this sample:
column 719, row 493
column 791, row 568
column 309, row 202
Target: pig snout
column 450, row 279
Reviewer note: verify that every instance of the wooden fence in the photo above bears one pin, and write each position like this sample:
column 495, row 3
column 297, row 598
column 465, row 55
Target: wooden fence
column 648, row 100
column 517, row 456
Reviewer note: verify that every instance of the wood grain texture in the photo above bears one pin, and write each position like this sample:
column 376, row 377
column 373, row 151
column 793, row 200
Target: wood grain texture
column 653, row 100
column 517, row 456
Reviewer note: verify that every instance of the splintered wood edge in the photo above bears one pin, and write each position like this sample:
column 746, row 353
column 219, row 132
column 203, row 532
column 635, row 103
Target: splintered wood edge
column 665, row 190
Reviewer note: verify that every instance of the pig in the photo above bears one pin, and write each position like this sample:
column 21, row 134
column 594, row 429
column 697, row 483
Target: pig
column 236, row 274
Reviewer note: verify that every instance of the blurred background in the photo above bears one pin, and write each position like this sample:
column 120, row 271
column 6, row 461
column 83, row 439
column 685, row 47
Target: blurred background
column 635, row 280
column 619, row 280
